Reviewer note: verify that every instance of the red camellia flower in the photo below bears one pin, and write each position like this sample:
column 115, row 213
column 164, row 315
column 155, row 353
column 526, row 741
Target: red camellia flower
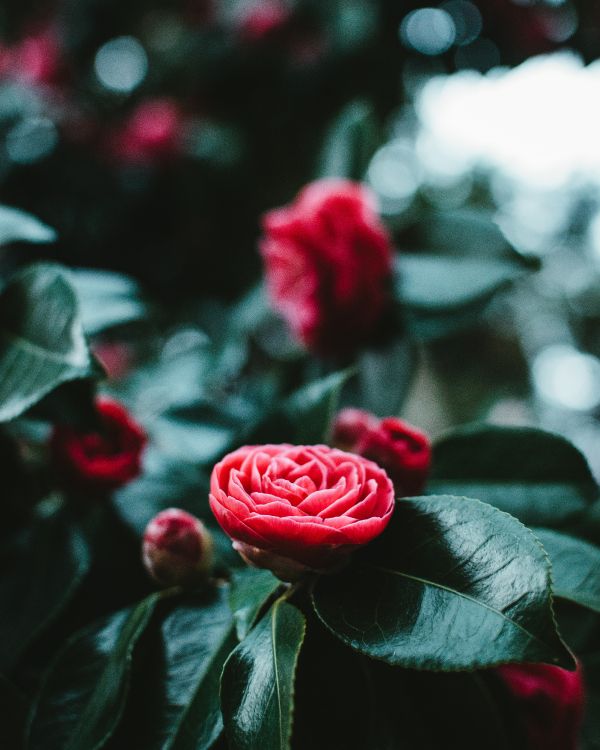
column 293, row 508
column 402, row 450
column 328, row 261
column 551, row 702
column 100, row 461
column 177, row 548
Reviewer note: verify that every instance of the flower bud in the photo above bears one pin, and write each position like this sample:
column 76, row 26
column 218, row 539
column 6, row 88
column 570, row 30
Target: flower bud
column 177, row 549
column 401, row 449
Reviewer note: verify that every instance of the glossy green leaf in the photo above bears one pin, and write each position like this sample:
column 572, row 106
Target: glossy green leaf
column 107, row 299
column 18, row 226
column 82, row 699
column 540, row 478
column 257, row 686
column 41, row 338
column 174, row 698
column 452, row 584
column 575, row 567
column 250, row 589
column 311, row 408
column 42, row 570
column 434, row 283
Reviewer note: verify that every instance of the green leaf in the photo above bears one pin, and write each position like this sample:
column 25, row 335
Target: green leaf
column 350, row 142
column 13, row 715
column 540, row 478
column 41, row 338
column 257, row 685
column 107, row 299
column 383, row 378
column 174, row 701
column 41, row 572
column 438, row 283
column 452, row 584
column 311, row 408
column 575, row 568
column 18, row 226
column 84, row 694
column 250, row 589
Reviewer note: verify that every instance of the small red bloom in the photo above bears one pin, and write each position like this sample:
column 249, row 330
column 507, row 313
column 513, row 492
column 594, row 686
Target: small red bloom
column 551, row 702
column 292, row 508
column 328, row 262
column 99, row 461
column 177, row 548
column 36, row 59
column 153, row 131
column 402, row 450
column 259, row 20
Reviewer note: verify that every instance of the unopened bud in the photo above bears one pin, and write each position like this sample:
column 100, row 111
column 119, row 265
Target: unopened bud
column 177, row 548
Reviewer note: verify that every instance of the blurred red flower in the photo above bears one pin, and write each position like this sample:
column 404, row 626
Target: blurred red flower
column 99, row 461
column 328, row 261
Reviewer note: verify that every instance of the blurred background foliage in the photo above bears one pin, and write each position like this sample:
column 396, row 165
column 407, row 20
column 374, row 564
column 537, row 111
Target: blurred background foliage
column 151, row 136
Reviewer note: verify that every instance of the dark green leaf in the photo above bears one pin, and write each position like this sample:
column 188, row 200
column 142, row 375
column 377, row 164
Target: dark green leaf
column 540, row 478
column 107, row 299
column 41, row 338
column 84, row 694
column 41, row 573
column 435, row 283
column 350, row 142
column 197, row 641
column 575, row 568
column 250, row 588
column 18, row 226
column 390, row 708
column 452, row 584
column 311, row 408
column 174, row 699
column 257, row 685
column 13, row 714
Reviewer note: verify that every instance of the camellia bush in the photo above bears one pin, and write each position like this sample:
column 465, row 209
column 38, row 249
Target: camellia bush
column 217, row 532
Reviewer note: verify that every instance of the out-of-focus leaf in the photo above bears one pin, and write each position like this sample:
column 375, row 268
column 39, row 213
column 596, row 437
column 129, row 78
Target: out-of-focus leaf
column 41, row 338
column 250, row 588
column 18, row 226
column 350, row 142
column 107, row 299
column 383, row 377
column 436, row 283
column 84, row 694
column 575, row 568
column 41, row 572
column 257, row 686
column 540, row 478
column 311, row 408
column 451, row 584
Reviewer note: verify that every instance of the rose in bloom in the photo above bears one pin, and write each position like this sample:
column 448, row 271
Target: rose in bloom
column 99, row 461
column 177, row 549
column 402, row 450
column 551, row 702
column 328, row 262
column 296, row 508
